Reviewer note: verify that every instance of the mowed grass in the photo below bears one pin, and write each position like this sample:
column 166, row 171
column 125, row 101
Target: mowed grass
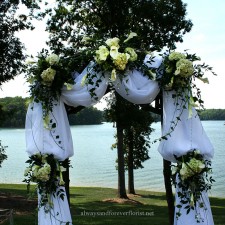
column 92, row 206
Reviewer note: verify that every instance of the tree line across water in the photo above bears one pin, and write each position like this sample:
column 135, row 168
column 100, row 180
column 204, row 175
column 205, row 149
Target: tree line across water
column 13, row 114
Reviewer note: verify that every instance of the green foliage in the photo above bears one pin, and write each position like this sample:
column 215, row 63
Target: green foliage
column 13, row 112
column 212, row 114
column 86, row 116
column 158, row 23
column 11, row 54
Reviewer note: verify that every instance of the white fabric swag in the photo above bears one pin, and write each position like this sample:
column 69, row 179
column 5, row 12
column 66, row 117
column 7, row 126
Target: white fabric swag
column 187, row 135
column 135, row 87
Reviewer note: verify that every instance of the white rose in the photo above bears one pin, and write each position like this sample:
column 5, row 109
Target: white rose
column 101, row 54
column 113, row 42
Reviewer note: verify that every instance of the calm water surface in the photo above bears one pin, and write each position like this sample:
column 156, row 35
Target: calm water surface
column 94, row 162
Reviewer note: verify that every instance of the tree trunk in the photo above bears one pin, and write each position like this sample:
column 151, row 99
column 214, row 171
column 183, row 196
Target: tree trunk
column 168, row 187
column 66, row 178
column 131, row 164
column 120, row 150
column 121, row 170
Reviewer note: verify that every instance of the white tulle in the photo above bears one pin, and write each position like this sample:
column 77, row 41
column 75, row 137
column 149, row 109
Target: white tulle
column 137, row 88
column 204, row 213
column 80, row 95
column 188, row 133
column 56, row 141
column 58, row 215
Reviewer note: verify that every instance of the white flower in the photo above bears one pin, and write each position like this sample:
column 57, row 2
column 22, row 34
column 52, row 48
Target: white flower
column 43, row 173
column 35, row 169
column 101, row 54
column 121, row 61
column 132, row 53
column 53, row 59
column 113, row 75
column 113, row 42
column 176, row 56
column 48, row 76
column 131, row 35
column 184, row 68
column 114, row 52
column 196, row 165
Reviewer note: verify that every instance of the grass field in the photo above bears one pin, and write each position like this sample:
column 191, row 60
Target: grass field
column 87, row 202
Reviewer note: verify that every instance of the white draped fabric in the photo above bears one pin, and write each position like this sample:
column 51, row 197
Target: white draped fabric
column 187, row 135
column 79, row 95
column 56, row 141
column 203, row 213
column 137, row 88
column 58, row 215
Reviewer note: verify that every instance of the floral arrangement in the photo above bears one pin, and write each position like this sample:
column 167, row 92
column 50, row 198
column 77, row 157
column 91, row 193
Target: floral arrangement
column 47, row 76
column 46, row 172
column 116, row 56
column 180, row 72
column 192, row 176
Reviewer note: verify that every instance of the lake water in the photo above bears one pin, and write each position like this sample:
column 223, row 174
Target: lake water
column 94, row 162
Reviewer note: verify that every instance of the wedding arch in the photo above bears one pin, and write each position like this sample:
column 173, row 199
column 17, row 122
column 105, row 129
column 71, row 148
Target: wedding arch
column 184, row 142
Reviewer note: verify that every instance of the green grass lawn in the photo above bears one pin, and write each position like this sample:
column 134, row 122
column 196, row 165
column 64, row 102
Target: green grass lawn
column 87, row 202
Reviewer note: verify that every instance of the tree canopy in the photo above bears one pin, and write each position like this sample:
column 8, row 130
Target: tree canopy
column 11, row 21
column 158, row 23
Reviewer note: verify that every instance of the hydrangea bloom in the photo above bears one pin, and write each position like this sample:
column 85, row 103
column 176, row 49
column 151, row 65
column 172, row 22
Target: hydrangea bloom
column 121, row 61
column 53, row 59
column 184, row 68
column 132, row 53
column 48, row 75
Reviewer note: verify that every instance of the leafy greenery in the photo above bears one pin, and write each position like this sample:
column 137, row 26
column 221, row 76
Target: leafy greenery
column 89, row 199
column 11, row 54
column 212, row 114
column 13, row 113
column 86, row 116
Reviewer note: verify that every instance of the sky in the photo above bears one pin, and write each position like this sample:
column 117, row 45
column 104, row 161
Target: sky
column 206, row 39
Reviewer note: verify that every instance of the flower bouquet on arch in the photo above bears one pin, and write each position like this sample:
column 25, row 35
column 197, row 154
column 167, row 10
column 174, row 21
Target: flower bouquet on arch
column 115, row 57
column 46, row 171
column 46, row 77
column 180, row 72
column 192, row 177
